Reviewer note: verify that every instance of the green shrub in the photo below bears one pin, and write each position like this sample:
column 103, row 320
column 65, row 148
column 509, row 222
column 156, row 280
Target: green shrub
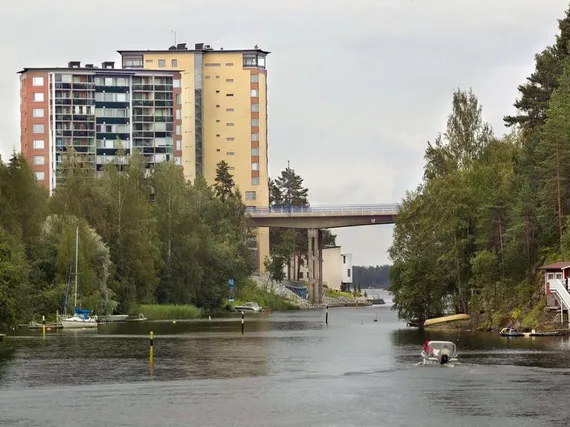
column 169, row 311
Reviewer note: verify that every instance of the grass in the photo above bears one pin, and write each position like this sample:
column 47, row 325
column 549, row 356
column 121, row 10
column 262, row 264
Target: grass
column 266, row 299
column 169, row 311
column 332, row 293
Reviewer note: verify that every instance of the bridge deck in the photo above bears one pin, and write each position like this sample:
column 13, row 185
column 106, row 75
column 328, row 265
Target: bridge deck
column 323, row 216
column 331, row 211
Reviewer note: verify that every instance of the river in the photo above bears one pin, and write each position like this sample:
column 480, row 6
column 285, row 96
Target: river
column 288, row 369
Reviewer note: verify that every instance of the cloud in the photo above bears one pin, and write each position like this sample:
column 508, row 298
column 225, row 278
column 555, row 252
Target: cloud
column 356, row 89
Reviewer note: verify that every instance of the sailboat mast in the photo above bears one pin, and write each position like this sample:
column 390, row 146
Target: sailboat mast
column 76, row 261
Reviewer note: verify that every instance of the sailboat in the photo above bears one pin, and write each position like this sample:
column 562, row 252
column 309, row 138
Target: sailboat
column 80, row 318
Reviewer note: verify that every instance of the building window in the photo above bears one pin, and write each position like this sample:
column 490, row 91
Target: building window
column 162, row 63
column 229, row 80
column 212, row 64
column 217, row 91
column 148, row 61
column 38, row 97
column 255, row 180
column 176, row 83
column 344, row 259
column 218, row 121
column 179, row 145
column 178, row 99
column 255, row 122
column 174, row 62
column 178, row 129
column 217, row 77
column 40, row 176
column 218, row 150
column 348, row 272
column 255, row 108
column 217, row 106
column 255, row 137
column 229, row 94
column 38, row 81
column 230, row 153
column 38, row 144
column 229, row 64
column 178, row 161
column 39, row 160
column 255, row 151
column 229, row 110
column 178, row 115
column 254, row 78
column 250, row 195
column 229, row 124
column 207, row 77
column 231, row 168
column 255, row 166
column 38, row 129
column 254, row 93
column 38, row 112
column 217, row 135
column 230, row 138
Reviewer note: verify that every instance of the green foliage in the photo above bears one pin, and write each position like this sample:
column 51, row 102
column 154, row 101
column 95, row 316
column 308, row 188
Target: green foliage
column 371, row 277
column 144, row 236
column 287, row 191
column 168, row 311
column 250, row 291
column 490, row 211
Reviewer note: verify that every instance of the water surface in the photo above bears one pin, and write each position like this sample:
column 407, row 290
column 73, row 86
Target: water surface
column 288, row 369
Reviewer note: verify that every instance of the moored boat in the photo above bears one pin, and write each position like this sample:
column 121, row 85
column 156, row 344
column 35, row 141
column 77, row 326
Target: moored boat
column 114, row 318
column 439, row 353
column 249, row 306
column 510, row 332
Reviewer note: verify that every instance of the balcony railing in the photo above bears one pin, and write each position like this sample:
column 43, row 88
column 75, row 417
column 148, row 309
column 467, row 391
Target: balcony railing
column 383, row 209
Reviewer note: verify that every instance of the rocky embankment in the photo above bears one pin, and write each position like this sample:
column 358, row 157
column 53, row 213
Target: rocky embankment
column 280, row 289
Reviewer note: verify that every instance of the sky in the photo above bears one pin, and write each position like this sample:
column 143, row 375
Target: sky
column 355, row 88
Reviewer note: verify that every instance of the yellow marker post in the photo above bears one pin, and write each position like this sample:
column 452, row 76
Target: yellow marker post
column 151, row 349
column 44, row 326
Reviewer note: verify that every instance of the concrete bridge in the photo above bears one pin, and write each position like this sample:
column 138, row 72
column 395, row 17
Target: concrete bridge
column 316, row 218
column 321, row 217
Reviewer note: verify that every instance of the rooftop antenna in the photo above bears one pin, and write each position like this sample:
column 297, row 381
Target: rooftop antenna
column 174, row 34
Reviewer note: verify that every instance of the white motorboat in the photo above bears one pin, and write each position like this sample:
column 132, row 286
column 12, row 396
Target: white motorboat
column 114, row 318
column 249, row 306
column 439, row 352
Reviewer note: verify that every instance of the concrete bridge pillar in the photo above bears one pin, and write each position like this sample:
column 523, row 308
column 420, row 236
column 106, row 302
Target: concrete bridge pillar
column 315, row 262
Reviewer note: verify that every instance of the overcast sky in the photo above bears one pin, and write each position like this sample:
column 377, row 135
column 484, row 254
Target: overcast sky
column 356, row 88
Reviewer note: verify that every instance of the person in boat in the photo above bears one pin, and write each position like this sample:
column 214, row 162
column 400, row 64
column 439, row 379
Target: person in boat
column 425, row 348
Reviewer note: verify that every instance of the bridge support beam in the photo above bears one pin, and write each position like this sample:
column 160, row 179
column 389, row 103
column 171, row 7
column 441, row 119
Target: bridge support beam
column 315, row 262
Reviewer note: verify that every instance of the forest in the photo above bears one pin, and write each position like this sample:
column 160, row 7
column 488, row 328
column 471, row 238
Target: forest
column 371, row 277
column 145, row 236
column 490, row 210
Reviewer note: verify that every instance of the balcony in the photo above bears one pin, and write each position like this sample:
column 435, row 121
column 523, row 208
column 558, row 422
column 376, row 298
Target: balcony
column 143, row 118
column 143, row 87
column 143, row 102
column 83, row 101
column 62, row 101
column 163, row 88
column 84, row 86
column 63, row 117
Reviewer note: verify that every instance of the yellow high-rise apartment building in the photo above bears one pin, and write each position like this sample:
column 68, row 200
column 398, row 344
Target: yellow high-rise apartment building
column 224, row 116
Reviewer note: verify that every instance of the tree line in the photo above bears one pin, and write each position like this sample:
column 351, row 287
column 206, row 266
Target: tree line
column 371, row 277
column 145, row 235
column 490, row 210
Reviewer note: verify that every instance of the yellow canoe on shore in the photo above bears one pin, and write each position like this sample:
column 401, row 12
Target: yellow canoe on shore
column 445, row 319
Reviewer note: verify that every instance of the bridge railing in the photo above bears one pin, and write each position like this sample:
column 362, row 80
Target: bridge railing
column 387, row 209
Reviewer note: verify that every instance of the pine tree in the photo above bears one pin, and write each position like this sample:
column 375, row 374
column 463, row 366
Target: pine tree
column 535, row 95
column 224, row 183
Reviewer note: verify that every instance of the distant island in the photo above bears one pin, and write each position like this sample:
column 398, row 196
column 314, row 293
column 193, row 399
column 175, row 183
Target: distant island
column 371, row 277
